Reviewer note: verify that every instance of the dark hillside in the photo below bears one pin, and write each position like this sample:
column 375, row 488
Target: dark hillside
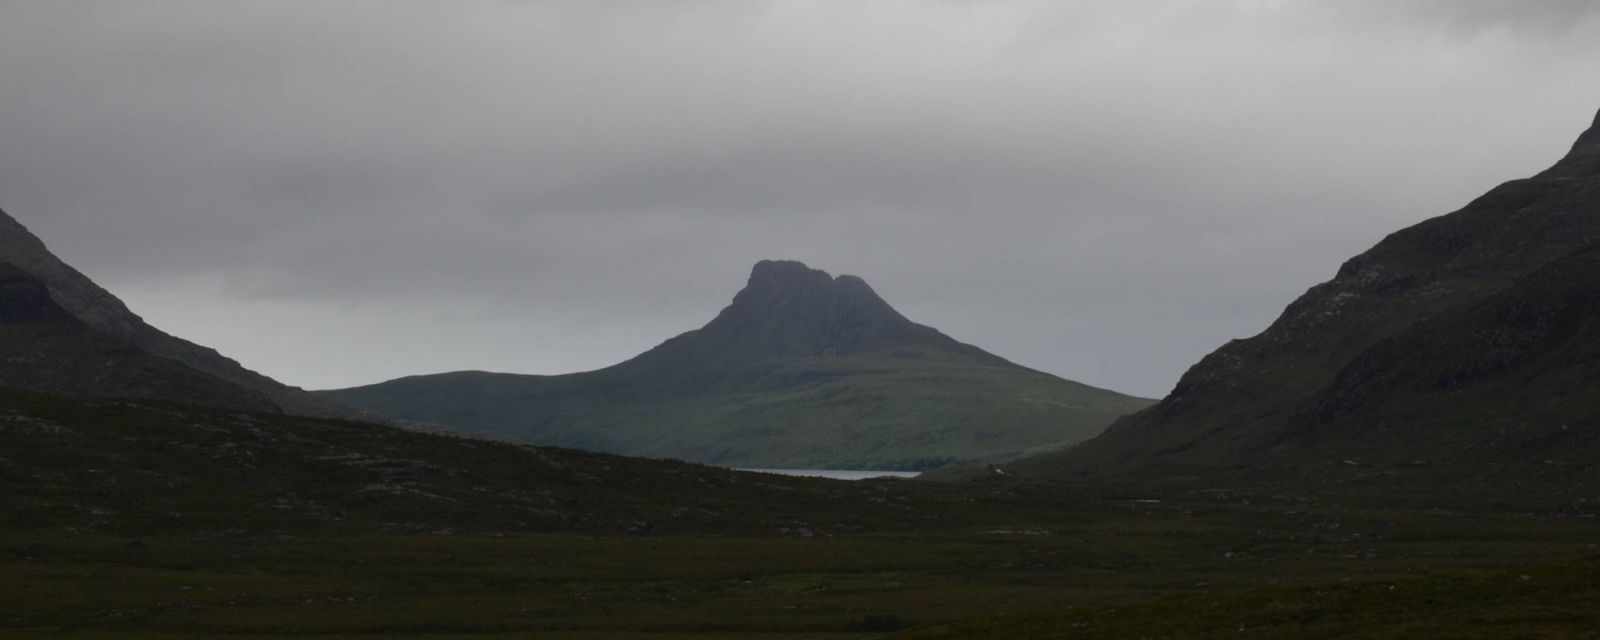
column 63, row 333
column 1461, row 348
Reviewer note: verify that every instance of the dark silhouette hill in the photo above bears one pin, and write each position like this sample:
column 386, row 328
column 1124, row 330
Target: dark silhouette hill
column 803, row 369
column 62, row 333
column 1462, row 350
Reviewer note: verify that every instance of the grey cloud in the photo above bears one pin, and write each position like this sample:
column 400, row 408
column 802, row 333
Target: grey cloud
column 1544, row 17
column 342, row 192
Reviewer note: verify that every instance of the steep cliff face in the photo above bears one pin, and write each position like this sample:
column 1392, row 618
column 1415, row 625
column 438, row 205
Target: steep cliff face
column 1455, row 311
column 802, row 369
column 66, row 334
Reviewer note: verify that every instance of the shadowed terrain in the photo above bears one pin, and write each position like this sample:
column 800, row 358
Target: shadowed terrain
column 62, row 333
column 1455, row 360
column 134, row 520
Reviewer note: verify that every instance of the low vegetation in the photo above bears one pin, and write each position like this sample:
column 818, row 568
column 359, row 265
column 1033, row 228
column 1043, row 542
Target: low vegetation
column 128, row 520
column 1126, row 572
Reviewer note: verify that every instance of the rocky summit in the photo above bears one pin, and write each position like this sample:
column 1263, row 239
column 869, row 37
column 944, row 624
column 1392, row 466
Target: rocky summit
column 802, row 369
column 789, row 310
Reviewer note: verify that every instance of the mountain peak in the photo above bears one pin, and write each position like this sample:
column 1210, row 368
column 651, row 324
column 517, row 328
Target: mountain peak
column 802, row 369
column 1584, row 159
column 1590, row 138
column 779, row 275
column 793, row 290
column 788, row 309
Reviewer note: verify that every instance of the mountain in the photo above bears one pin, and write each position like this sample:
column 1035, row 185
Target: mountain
column 62, row 333
column 1464, row 350
column 803, row 369
column 108, row 425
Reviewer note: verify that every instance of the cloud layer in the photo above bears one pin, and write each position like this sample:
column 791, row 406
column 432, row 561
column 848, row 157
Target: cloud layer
column 338, row 193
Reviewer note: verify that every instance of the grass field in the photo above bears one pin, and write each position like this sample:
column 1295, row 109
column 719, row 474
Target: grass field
column 131, row 520
column 1125, row 571
column 907, row 410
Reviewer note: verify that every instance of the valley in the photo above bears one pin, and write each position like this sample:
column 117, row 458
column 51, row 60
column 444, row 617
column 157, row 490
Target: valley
column 136, row 520
column 1408, row 449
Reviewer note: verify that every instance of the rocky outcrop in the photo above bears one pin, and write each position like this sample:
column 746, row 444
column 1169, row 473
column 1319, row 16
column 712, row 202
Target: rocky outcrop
column 789, row 310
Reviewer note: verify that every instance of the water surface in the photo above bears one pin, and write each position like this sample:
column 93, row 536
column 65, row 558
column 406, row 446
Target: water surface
column 837, row 474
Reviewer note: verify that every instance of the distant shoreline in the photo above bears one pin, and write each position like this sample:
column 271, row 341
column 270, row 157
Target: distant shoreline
column 835, row 474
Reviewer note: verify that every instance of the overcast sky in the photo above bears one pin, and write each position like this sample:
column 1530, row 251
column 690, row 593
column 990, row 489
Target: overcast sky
column 338, row 193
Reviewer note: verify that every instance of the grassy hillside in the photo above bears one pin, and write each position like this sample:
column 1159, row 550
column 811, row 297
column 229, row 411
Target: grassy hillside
column 865, row 411
column 802, row 370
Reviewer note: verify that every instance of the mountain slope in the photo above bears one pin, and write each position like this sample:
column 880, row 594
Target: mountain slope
column 62, row 333
column 1464, row 345
column 801, row 370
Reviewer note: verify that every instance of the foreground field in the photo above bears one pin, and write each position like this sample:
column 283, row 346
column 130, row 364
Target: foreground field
column 132, row 520
column 1122, row 571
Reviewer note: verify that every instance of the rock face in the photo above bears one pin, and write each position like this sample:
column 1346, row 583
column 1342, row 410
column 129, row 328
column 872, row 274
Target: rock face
column 1464, row 341
column 789, row 310
column 802, row 369
column 62, row 333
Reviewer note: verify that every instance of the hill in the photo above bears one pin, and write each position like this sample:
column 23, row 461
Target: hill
column 146, row 467
column 110, row 425
column 1459, row 354
column 802, row 370
column 62, row 333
